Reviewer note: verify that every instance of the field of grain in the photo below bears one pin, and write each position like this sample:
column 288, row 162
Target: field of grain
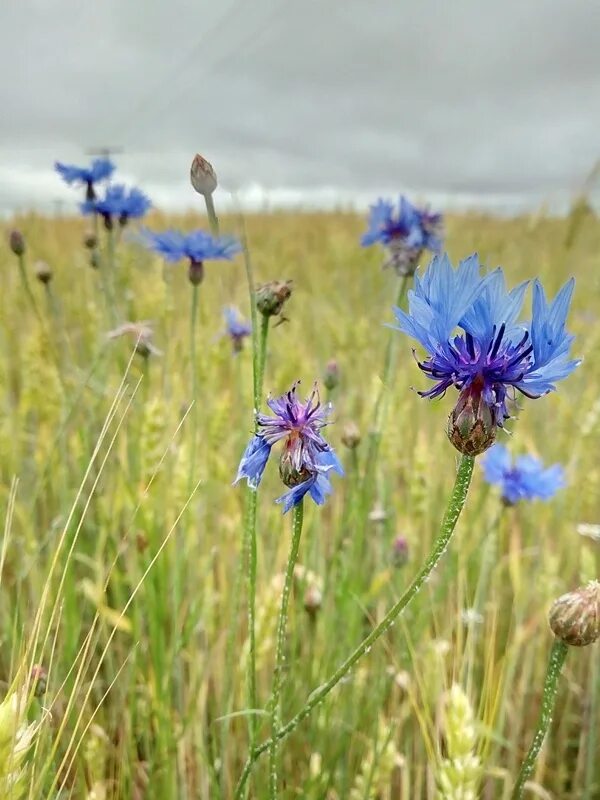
column 122, row 562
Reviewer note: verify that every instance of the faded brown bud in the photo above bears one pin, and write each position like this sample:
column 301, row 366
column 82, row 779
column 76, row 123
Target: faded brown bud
column 202, row 175
column 94, row 259
column 575, row 616
column 90, row 241
column 270, row 297
column 313, row 600
column 39, row 679
column 351, row 435
column 471, row 425
column 42, row 272
column 16, row 242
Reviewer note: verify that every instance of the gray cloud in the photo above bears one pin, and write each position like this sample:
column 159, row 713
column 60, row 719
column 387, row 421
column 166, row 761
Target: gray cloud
column 325, row 100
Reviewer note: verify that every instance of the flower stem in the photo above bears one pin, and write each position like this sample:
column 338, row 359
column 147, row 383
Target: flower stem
column 250, row 535
column 380, row 407
column 259, row 354
column 213, row 220
column 280, row 646
column 558, row 653
column 453, row 510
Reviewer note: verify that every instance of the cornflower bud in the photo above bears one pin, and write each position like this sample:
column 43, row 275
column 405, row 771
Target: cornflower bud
column 400, row 551
column 16, row 242
column 331, row 375
column 203, row 176
column 313, row 600
column 575, row 616
column 471, row 425
column 351, row 435
column 90, row 241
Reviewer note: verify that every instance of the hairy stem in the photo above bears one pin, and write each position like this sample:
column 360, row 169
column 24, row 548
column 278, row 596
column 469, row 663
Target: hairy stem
column 280, row 646
column 558, row 654
column 453, row 510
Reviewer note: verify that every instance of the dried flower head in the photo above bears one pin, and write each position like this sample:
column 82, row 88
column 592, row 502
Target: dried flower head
column 42, row 272
column 351, row 435
column 141, row 333
column 575, row 616
column 202, row 175
column 272, row 296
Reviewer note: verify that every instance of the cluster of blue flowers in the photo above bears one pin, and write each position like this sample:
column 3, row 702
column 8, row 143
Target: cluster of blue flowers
column 306, row 458
column 405, row 231
column 118, row 205
column 525, row 479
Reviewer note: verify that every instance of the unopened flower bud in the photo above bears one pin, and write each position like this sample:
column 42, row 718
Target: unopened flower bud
column 351, row 435
column 313, row 600
column 42, row 272
column 202, row 175
column 270, row 297
column 39, row 679
column 94, row 259
column 399, row 551
column 331, row 375
column 196, row 272
column 290, row 472
column 16, row 241
column 575, row 616
column 90, row 241
column 471, row 425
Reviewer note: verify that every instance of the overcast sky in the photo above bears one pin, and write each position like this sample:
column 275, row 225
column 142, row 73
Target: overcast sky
column 490, row 102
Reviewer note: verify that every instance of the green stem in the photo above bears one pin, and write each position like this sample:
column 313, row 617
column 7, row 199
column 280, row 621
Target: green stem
column 453, row 510
column 213, row 220
column 250, row 534
column 27, row 287
column 558, row 653
column 380, row 407
column 280, row 646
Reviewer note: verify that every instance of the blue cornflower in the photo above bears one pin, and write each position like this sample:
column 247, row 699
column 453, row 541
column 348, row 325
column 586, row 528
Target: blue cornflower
column 118, row 203
column 306, row 458
column 405, row 232
column 526, row 479
column 196, row 246
column 492, row 356
column 100, row 169
column 237, row 328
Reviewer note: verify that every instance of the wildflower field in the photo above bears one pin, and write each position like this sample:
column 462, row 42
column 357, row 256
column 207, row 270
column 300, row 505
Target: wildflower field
column 130, row 665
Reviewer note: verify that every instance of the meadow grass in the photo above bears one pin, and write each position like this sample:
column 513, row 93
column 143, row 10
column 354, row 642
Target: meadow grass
column 121, row 567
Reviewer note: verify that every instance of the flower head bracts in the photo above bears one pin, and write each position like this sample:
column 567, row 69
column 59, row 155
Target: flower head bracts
column 491, row 354
column 525, row 479
column 306, row 458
